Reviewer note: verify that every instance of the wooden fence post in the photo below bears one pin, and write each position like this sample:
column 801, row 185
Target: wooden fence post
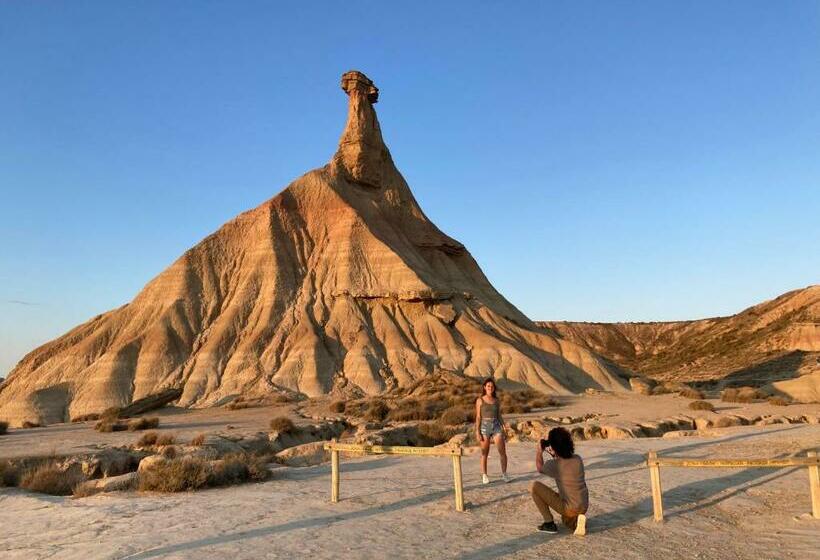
column 334, row 476
column 655, row 478
column 459, row 487
column 814, row 485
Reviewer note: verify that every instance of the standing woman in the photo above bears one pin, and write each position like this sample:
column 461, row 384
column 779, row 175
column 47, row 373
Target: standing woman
column 489, row 427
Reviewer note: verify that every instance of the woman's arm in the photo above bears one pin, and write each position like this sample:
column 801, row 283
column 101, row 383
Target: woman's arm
column 539, row 457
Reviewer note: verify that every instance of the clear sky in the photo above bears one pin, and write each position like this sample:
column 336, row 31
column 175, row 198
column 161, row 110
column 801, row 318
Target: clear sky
column 601, row 160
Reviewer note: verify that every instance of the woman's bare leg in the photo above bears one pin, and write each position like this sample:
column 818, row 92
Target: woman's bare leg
column 501, row 445
column 485, row 451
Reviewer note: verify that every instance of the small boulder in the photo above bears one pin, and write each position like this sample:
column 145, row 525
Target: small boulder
column 304, row 455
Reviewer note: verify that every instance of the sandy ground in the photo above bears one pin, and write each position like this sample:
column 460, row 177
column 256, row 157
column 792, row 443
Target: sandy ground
column 613, row 408
column 402, row 507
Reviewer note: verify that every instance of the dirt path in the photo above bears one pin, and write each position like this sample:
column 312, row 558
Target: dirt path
column 402, row 507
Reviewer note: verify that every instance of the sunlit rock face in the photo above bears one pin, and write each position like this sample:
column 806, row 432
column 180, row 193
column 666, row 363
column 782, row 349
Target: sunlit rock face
column 338, row 283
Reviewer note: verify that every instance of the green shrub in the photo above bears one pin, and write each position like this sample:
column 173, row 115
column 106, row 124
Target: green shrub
column 108, row 425
column 434, row 433
column 282, row 424
column 456, row 415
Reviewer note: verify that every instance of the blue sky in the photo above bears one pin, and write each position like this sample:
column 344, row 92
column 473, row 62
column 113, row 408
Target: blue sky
column 601, row 160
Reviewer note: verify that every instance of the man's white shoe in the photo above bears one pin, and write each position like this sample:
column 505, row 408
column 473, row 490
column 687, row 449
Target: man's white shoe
column 581, row 525
column 504, row 477
column 485, row 479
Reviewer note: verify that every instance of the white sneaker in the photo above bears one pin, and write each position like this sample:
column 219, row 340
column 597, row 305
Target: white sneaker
column 581, row 526
column 505, row 478
column 485, row 479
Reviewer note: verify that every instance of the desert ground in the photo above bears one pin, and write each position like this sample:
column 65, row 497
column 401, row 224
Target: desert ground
column 402, row 507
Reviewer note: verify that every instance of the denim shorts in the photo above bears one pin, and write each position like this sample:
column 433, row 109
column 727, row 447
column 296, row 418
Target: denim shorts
column 491, row 427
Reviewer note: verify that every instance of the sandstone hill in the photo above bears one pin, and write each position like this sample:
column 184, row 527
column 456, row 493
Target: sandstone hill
column 339, row 283
column 776, row 342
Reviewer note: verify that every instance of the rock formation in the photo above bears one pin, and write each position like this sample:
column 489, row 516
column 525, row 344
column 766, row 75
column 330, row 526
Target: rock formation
column 776, row 342
column 338, row 283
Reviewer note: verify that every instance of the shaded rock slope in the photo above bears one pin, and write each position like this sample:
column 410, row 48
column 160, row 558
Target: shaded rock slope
column 776, row 342
column 338, row 283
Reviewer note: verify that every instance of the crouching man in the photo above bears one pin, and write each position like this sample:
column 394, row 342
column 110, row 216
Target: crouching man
column 572, row 499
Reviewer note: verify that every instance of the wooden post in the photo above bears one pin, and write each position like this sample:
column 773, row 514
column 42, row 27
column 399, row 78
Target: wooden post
column 459, row 487
column 334, row 476
column 814, row 485
column 655, row 478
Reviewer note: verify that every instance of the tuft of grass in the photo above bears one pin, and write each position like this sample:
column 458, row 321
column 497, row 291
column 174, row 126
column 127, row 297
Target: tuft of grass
column 177, row 475
column 169, row 452
column 282, row 424
column 779, row 401
column 414, row 409
column 691, row 393
column 28, row 424
column 143, row 424
column 701, row 405
column 742, row 395
column 86, row 417
column 148, row 439
column 166, row 439
column 49, row 479
column 198, row 440
column 338, row 406
column 4, row 427
column 725, row 422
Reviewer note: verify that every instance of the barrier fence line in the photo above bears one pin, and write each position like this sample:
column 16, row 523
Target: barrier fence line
column 454, row 452
column 811, row 461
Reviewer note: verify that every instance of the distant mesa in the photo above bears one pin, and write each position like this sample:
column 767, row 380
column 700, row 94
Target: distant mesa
column 340, row 283
column 774, row 344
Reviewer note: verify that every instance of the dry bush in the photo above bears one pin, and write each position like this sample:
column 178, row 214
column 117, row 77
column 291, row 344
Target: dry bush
column 742, row 395
column 434, row 433
column 456, row 415
column 192, row 473
column 143, row 424
column 779, row 401
column 9, row 474
column 28, row 424
column 49, row 479
column 86, row 417
column 377, row 411
column 166, row 439
column 282, row 424
column 148, row 439
column 662, row 389
column 412, row 409
column 107, row 425
column 198, row 440
column 691, row 393
column 701, row 405
column 337, row 406
column 177, row 475
column 725, row 422
column 4, row 427
column 112, row 413
column 169, row 452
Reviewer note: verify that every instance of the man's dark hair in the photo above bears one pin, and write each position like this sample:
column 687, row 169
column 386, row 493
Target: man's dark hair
column 561, row 442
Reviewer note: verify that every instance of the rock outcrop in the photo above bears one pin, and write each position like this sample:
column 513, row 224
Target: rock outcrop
column 340, row 282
